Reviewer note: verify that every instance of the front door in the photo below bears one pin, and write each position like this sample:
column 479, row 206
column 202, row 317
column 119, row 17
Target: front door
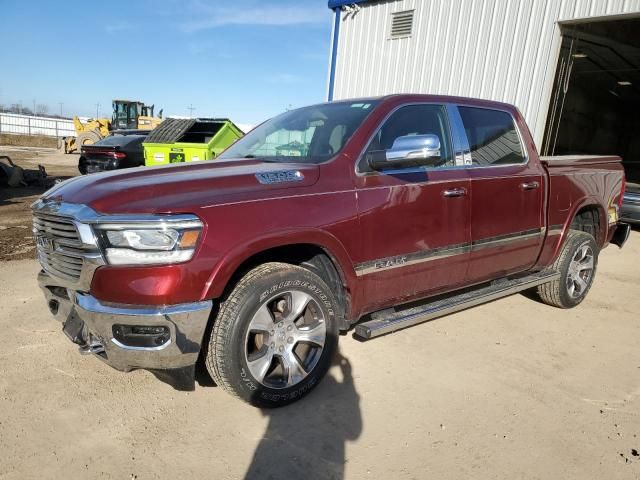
column 415, row 222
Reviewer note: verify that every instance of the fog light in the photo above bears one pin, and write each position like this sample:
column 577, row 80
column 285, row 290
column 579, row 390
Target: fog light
column 144, row 336
column 53, row 306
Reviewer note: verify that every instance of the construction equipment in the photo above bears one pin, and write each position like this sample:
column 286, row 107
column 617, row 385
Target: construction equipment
column 127, row 114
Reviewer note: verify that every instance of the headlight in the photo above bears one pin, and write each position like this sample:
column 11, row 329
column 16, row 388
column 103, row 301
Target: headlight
column 153, row 242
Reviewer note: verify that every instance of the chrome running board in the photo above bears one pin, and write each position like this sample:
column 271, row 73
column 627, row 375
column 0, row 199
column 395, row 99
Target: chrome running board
column 389, row 320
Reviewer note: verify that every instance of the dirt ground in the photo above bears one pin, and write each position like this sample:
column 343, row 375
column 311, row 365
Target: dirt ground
column 512, row 389
column 28, row 140
column 15, row 218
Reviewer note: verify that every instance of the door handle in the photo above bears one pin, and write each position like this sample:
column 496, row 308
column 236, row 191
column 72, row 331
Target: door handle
column 454, row 192
column 529, row 185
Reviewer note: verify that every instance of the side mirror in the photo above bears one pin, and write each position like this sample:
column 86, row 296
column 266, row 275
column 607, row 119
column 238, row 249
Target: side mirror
column 408, row 151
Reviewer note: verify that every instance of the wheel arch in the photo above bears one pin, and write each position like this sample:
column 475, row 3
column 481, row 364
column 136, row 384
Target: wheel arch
column 317, row 251
column 591, row 217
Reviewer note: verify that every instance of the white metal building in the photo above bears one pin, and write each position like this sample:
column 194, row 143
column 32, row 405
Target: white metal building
column 559, row 61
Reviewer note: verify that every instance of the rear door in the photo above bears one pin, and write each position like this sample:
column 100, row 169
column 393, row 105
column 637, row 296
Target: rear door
column 507, row 195
column 414, row 221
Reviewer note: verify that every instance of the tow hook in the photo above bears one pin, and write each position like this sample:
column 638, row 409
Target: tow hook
column 94, row 347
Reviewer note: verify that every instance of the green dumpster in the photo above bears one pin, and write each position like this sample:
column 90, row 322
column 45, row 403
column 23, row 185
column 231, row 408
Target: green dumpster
column 178, row 140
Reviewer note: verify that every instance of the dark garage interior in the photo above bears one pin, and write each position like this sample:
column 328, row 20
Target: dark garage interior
column 595, row 104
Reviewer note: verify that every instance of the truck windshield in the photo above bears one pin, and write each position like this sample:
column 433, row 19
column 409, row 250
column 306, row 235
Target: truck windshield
column 305, row 135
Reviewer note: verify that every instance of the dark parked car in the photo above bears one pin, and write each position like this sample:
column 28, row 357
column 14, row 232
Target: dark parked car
column 630, row 211
column 121, row 150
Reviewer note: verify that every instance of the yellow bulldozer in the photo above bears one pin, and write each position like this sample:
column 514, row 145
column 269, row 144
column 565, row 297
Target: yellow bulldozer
column 127, row 115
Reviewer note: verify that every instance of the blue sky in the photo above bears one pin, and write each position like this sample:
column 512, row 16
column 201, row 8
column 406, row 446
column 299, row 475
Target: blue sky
column 243, row 59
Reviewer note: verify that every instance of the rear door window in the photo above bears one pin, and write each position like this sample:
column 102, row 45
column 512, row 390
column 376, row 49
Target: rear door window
column 493, row 137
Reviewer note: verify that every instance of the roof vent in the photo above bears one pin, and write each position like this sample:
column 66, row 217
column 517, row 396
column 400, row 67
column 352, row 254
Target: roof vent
column 401, row 24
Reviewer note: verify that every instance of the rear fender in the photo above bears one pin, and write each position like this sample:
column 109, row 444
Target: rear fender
column 554, row 242
column 602, row 215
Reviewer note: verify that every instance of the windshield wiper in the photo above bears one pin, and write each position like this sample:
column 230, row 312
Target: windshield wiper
column 270, row 159
column 275, row 159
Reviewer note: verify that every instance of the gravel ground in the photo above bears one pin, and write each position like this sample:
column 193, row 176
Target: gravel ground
column 511, row 389
column 15, row 214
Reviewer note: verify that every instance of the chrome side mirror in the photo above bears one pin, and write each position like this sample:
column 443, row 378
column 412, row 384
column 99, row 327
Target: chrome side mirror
column 409, row 151
column 415, row 147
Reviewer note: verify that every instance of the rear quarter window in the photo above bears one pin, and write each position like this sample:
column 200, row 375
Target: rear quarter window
column 493, row 137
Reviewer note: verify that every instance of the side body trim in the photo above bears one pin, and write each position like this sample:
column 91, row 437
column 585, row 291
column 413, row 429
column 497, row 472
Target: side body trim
column 422, row 256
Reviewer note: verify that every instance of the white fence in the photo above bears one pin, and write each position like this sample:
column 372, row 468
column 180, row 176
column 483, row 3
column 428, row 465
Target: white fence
column 32, row 125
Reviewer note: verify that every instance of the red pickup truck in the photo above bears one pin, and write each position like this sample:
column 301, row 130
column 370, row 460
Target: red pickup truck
column 376, row 213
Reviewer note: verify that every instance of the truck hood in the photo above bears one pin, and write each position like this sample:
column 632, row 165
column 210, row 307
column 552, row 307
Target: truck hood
column 184, row 187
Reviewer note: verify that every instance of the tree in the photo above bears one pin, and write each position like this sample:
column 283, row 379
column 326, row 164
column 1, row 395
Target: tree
column 42, row 109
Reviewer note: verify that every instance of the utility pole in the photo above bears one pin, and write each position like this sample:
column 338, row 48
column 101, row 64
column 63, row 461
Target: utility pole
column 34, row 106
column 191, row 108
column 60, row 103
column 97, row 110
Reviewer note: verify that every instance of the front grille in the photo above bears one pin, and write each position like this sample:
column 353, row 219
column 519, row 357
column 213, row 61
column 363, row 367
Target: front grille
column 58, row 246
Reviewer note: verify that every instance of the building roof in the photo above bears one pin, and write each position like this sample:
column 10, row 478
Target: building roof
column 340, row 3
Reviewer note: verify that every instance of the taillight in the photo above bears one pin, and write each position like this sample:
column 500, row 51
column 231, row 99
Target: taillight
column 106, row 153
column 624, row 186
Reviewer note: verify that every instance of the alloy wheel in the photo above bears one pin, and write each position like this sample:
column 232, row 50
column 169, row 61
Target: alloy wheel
column 285, row 339
column 580, row 272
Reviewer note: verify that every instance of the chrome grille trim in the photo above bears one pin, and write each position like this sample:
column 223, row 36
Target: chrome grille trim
column 59, row 231
column 69, row 251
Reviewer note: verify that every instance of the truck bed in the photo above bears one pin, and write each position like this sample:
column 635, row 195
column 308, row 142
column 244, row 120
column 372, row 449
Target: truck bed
column 578, row 160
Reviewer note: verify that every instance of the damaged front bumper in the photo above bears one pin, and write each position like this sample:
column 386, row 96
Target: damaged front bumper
column 163, row 339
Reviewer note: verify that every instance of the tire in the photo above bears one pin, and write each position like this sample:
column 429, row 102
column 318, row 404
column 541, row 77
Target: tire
column 252, row 352
column 577, row 263
column 82, row 165
column 86, row 138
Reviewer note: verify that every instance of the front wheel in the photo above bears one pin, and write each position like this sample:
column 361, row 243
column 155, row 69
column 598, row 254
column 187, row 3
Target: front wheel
column 576, row 264
column 275, row 335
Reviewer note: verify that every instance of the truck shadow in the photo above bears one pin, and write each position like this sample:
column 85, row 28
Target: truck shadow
column 307, row 439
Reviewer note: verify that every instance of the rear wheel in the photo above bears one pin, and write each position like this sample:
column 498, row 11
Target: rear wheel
column 577, row 264
column 274, row 336
column 82, row 165
column 86, row 138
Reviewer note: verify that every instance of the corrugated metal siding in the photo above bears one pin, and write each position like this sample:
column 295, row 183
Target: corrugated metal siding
column 502, row 50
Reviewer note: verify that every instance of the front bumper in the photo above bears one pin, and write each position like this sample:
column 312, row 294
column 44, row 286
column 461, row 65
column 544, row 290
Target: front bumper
column 92, row 325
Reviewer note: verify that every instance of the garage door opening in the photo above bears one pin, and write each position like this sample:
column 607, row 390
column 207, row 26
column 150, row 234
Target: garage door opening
column 595, row 104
